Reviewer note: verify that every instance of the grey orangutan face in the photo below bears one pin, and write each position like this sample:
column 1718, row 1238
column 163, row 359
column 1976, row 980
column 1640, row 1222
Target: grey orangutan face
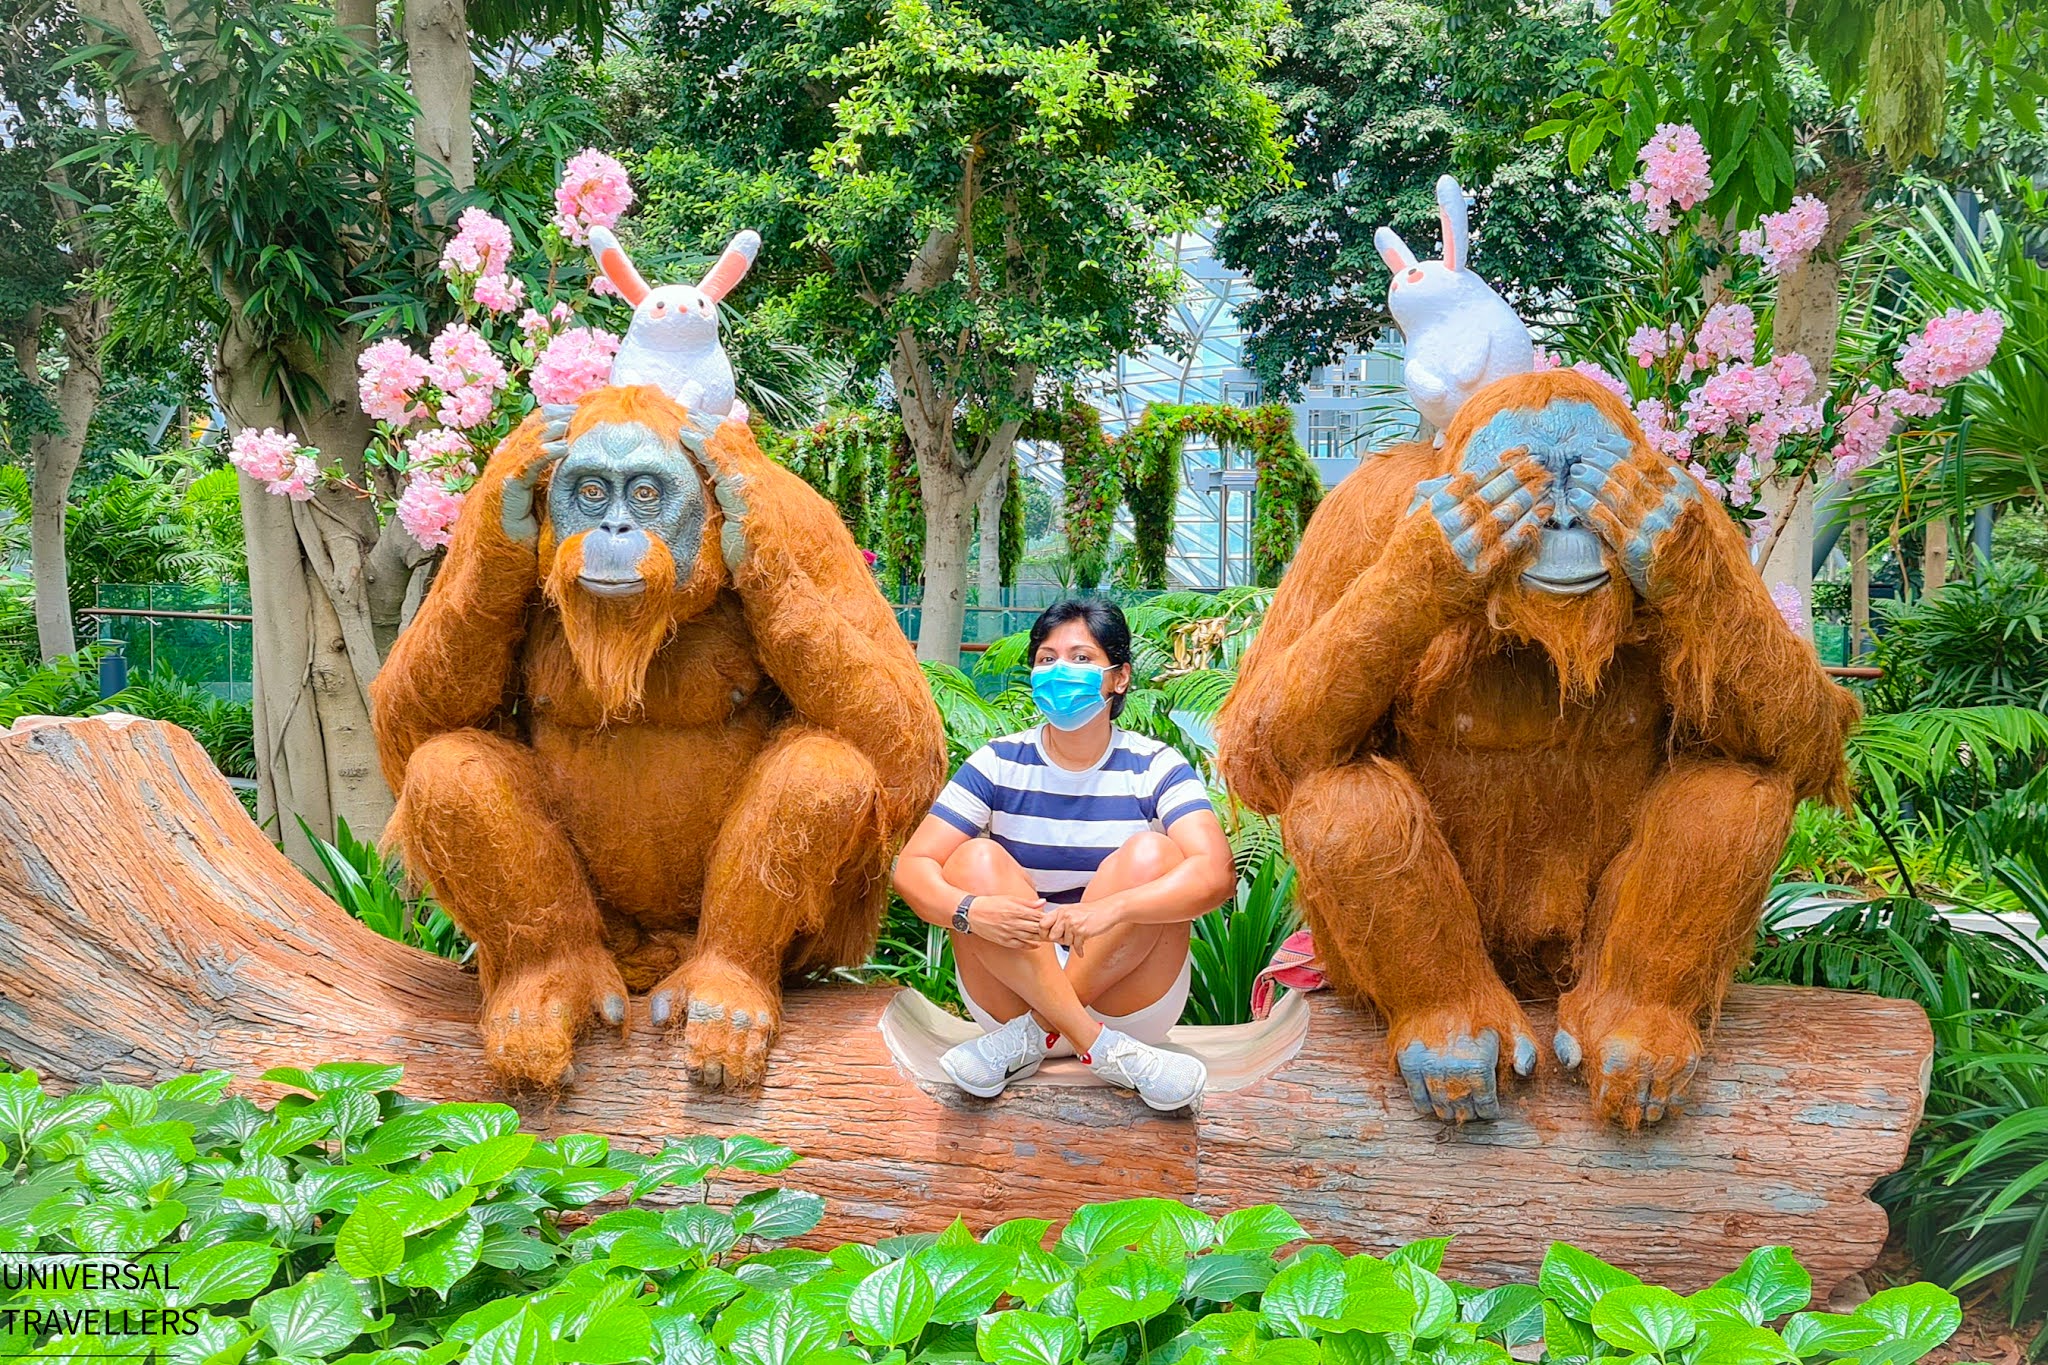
column 629, row 494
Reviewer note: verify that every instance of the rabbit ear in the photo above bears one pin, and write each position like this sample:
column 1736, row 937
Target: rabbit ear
column 732, row 266
column 1450, row 208
column 617, row 267
column 1393, row 250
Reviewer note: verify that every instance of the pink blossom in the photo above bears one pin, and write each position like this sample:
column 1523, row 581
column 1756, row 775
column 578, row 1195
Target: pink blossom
column 1793, row 374
column 1650, row 344
column 1727, row 332
column 1672, row 444
column 500, row 293
column 594, row 193
column 1786, row 598
column 264, row 455
column 1783, row 241
column 436, row 447
column 576, row 362
column 602, row 286
column 297, row 484
column 468, row 375
column 1951, row 348
column 1675, row 171
column 1759, row 531
column 427, row 510
column 1866, row 423
column 482, row 245
column 1544, row 360
column 536, row 324
column 391, row 373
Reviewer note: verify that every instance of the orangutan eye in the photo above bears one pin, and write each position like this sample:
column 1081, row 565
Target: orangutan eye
column 646, row 494
column 590, row 490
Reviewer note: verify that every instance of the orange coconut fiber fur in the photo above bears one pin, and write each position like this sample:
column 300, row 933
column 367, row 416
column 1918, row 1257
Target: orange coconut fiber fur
column 1495, row 793
column 696, row 789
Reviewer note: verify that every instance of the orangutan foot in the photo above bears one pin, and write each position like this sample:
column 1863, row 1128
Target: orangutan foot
column 727, row 1016
column 1451, row 1058
column 533, row 1015
column 1642, row 1057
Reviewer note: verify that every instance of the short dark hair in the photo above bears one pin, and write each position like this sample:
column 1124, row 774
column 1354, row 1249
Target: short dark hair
column 1105, row 621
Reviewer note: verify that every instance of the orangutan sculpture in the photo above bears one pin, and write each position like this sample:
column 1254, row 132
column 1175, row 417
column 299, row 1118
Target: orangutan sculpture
column 1532, row 724
column 654, row 726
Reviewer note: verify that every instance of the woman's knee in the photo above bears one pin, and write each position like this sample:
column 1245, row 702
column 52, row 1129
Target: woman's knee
column 982, row 867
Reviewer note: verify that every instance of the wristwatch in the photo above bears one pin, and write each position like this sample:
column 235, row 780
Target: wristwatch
column 960, row 915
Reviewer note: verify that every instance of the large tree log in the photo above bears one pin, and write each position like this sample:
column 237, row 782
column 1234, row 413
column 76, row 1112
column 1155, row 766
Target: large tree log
column 150, row 928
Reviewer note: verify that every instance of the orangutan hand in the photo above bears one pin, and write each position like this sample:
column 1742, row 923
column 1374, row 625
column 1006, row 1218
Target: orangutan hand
column 1491, row 512
column 1632, row 504
column 518, row 513
column 728, row 486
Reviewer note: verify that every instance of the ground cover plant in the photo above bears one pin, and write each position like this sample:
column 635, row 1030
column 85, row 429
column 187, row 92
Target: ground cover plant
column 348, row 1223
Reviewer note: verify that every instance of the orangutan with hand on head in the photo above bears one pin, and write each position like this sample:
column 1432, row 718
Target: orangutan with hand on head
column 1532, row 724
column 654, row 726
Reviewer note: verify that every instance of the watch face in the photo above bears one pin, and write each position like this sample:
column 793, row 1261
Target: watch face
column 960, row 920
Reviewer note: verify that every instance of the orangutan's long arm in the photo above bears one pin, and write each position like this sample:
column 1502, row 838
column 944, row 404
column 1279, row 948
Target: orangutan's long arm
column 825, row 634
column 451, row 667
column 1741, row 683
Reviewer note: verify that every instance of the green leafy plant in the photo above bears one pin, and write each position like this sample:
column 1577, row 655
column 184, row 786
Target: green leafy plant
column 68, row 685
column 1233, row 944
column 352, row 1224
column 371, row 888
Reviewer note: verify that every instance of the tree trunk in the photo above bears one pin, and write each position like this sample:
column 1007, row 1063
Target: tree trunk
column 1934, row 559
column 326, row 586
column 54, row 457
column 442, row 75
column 153, row 930
column 942, row 610
column 1859, row 588
column 1808, row 322
column 988, row 513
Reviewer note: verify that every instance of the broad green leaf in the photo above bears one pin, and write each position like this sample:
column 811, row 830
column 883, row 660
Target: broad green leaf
column 1305, row 1295
column 1720, row 1303
column 583, row 1149
column 1265, row 1227
column 1026, row 1338
column 1427, row 1253
column 1231, row 1334
column 1916, row 1318
column 614, row 1336
column 776, row 1214
column 1287, row 1351
column 1018, row 1232
column 652, row 1249
column 369, row 1245
column 1773, row 1280
column 966, row 1279
column 1378, row 1299
column 441, row 1258
column 1436, row 1303
column 117, row 1230
column 754, row 1156
column 1124, row 1286
column 332, row 1076
column 892, row 1305
column 221, row 1273
column 702, row 1291
column 1564, row 1337
column 703, row 1228
column 1038, row 1274
column 1222, row 1276
column 1643, row 1318
column 1361, row 1348
column 1512, row 1310
column 480, row 1163
column 315, row 1317
column 519, row 1340
column 1736, row 1343
column 1098, row 1228
column 680, row 1340
column 1809, row 1334
column 774, row 1331
column 1577, row 1280
column 120, row 1163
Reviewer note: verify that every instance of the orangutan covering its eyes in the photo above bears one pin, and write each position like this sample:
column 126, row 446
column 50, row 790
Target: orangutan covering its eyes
column 654, row 727
column 1532, row 724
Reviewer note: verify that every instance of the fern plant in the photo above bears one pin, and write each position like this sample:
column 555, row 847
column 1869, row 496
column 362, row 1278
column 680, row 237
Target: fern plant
column 1232, row 944
column 372, row 889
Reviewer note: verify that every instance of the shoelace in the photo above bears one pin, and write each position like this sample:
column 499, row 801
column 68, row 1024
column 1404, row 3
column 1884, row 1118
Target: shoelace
column 1015, row 1049
column 1135, row 1060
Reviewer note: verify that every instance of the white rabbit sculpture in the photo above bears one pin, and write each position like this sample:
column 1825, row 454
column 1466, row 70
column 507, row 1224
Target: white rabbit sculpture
column 1457, row 335
column 673, row 340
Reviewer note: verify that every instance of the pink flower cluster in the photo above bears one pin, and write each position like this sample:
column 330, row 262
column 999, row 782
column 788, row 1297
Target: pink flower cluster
column 1951, row 348
column 427, row 509
column 468, row 374
column 1760, row 405
column 1783, row 241
column 277, row 460
column 1727, row 332
column 1867, row 421
column 575, row 362
column 594, row 193
column 392, row 373
column 1648, row 345
column 1792, row 607
column 1676, row 171
column 482, row 245
column 534, row 324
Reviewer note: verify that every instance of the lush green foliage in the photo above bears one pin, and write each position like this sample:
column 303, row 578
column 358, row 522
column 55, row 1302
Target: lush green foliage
column 1380, row 97
column 352, row 1224
column 372, row 888
column 1233, row 943
column 1982, row 641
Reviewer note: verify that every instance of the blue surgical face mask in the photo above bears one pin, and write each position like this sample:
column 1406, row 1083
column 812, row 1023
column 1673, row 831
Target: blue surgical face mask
column 1069, row 694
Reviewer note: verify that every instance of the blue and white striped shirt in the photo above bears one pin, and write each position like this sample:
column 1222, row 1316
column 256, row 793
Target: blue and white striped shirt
column 1060, row 824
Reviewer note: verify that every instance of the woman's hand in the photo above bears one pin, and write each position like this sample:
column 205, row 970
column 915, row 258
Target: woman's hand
column 1074, row 925
column 1009, row 921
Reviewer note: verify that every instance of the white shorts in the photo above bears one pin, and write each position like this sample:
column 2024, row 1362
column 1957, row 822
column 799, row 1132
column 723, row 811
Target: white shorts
column 1148, row 1025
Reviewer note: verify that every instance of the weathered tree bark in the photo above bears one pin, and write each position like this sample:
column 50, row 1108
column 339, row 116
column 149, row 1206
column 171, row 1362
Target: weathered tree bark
column 54, row 455
column 152, row 929
column 1859, row 587
column 988, row 534
column 442, row 75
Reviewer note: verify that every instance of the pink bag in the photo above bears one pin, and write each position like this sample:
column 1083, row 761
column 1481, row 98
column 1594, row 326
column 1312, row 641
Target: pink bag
column 1295, row 966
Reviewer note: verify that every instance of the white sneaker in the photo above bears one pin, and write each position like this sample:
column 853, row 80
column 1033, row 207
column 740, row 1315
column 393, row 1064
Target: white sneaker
column 1165, row 1080
column 984, row 1066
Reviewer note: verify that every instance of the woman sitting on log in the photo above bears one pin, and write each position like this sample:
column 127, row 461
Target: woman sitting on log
column 1068, row 861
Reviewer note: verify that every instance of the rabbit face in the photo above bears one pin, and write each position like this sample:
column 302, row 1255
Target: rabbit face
column 676, row 317
column 1419, row 289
